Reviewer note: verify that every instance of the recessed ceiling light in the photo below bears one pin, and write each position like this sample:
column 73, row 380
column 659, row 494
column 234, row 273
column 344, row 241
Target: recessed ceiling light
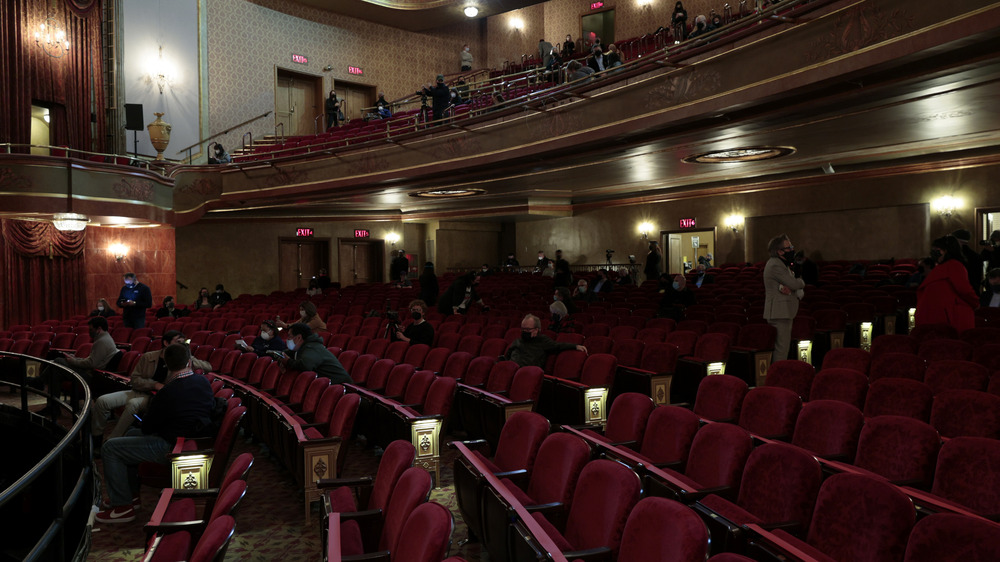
column 471, row 11
column 441, row 193
column 742, row 154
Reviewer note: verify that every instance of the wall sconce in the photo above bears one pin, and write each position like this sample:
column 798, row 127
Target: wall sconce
column 645, row 229
column 119, row 251
column 471, row 11
column 734, row 222
column 159, row 74
column 946, row 205
column 517, row 23
column 645, row 3
column 392, row 238
column 52, row 38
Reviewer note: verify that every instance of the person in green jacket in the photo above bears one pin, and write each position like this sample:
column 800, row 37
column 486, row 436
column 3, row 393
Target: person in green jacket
column 312, row 355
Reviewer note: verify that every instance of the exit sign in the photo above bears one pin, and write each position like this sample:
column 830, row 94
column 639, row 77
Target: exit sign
column 355, row 70
column 300, row 59
column 596, row 5
column 303, row 232
column 361, row 233
column 688, row 223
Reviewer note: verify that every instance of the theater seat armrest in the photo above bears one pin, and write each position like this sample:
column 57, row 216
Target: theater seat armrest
column 206, row 452
column 281, row 398
column 308, row 417
column 691, row 496
column 793, row 527
column 338, row 482
column 545, row 508
column 174, row 526
column 585, row 426
column 294, row 406
column 366, row 517
column 633, row 445
column 334, row 439
column 317, row 424
column 519, row 477
column 778, row 545
column 597, row 554
column 206, row 493
column 671, row 465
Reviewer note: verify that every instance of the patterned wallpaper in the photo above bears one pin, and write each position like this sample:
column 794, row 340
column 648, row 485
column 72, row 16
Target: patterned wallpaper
column 248, row 39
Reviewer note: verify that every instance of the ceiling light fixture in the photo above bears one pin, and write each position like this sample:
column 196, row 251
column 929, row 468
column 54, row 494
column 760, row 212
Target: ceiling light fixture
column 471, row 11
column 72, row 222
column 741, row 154
column 442, row 193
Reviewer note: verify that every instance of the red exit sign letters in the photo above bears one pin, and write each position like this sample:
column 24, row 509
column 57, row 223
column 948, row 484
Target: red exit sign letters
column 361, row 233
column 300, row 59
column 303, row 232
column 355, row 70
column 688, row 223
column 596, row 5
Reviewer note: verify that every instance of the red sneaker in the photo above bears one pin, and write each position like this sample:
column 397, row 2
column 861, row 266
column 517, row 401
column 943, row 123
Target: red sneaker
column 120, row 514
column 106, row 504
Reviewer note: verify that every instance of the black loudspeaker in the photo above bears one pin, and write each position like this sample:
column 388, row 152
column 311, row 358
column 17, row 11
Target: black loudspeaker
column 133, row 117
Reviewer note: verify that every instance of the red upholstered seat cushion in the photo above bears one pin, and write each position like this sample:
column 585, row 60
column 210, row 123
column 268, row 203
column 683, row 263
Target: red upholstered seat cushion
column 173, row 546
column 342, row 500
column 312, row 433
column 350, row 539
column 518, row 493
column 804, row 547
column 180, row 510
column 553, row 533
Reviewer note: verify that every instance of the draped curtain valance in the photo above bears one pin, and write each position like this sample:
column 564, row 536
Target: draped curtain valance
column 41, row 239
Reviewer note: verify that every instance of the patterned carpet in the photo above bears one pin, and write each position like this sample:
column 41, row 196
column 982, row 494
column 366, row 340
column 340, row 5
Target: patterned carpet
column 269, row 522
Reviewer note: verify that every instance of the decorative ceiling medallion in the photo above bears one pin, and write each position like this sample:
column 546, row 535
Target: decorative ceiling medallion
column 742, row 154
column 444, row 193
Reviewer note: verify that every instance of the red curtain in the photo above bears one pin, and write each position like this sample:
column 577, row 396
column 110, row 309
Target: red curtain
column 74, row 82
column 44, row 272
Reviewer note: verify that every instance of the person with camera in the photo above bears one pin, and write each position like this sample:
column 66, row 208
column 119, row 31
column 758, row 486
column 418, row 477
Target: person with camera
column 418, row 331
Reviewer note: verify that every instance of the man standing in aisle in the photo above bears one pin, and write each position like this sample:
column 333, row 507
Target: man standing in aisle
column 782, row 293
column 134, row 299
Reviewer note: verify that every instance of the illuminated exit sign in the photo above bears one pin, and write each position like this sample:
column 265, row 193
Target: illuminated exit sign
column 300, row 59
column 688, row 223
column 355, row 70
column 361, row 233
column 596, row 5
column 303, row 232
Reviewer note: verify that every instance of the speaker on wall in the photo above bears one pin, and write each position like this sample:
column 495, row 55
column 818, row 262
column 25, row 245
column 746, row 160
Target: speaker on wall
column 133, row 117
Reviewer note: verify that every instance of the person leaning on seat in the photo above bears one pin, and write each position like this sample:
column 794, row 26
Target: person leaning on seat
column 533, row 347
column 311, row 355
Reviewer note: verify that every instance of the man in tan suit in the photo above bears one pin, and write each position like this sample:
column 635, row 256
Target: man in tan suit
column 782, row 293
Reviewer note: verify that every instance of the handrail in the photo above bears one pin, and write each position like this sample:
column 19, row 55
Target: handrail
column 316, row 123
column 243, row 139
column 133, row 160
column 226, row 132
column 276, row 125
column 53, row 536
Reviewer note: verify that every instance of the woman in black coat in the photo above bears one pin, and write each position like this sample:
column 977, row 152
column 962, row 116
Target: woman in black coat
column 429, row 288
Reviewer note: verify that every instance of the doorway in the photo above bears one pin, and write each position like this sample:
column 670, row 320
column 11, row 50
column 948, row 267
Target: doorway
column 41, row 134
column 360, row 260
column 601, row 24
column 357, row 96
column 684, row 247
column 299, row 260
column 298, row 100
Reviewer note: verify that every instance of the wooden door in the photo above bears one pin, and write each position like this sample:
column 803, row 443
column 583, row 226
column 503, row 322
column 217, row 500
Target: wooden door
column 356, row 98
column 674, row 257
column 299, row 261
column 284, row 105
column 360, row 261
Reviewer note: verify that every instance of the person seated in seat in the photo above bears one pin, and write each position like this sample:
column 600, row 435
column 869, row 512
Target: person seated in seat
column 181, row 408
column 702, row 277
column 309, row 354
column 314, row 288
column 204, row 301
column 169, row 309
column 533, row 347
column 103, row 309
column 221, row 156
column 102, row 352
column 582, row 291
column 418, row 331
column 307, row 315
column 676, row 297
column 561, row 320
column 148, row 376
column 268, row 339
column 603, row 283
column 221, row 297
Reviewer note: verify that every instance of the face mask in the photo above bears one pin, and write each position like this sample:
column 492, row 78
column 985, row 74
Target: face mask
column 677, row 286
column 788, row 256
column 291, row 345
column 265, row 336
column 935, row 254
column 170, row 305
column 129, row 283
column 218, row 291
column 101, row 308
column 416, row 315
column 486, row 269
column 204, row 294
column 466, row 49
column 302, row 313
column 555, row 298
column 582, row 289
column 525, row 335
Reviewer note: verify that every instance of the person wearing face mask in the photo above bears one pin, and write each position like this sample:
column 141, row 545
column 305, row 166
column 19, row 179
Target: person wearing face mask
column 420, row 330
column 204, row 300
column 582, row 291
column 308, row 316
column 568, row 48
column 533, row 348
column 268, row 339
column 466, row 58
column 169, row 309
column 134, row 299
column 103, row 309
column 311, row 355
column 946, row 296
column 485, row 270
column 542, row 261
column 511, row 264
column 220, row 297
column 782, row 293
column 991, row 296
column 676, row 297
column 148, row 376
column 101, row 355
column 334, row 110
